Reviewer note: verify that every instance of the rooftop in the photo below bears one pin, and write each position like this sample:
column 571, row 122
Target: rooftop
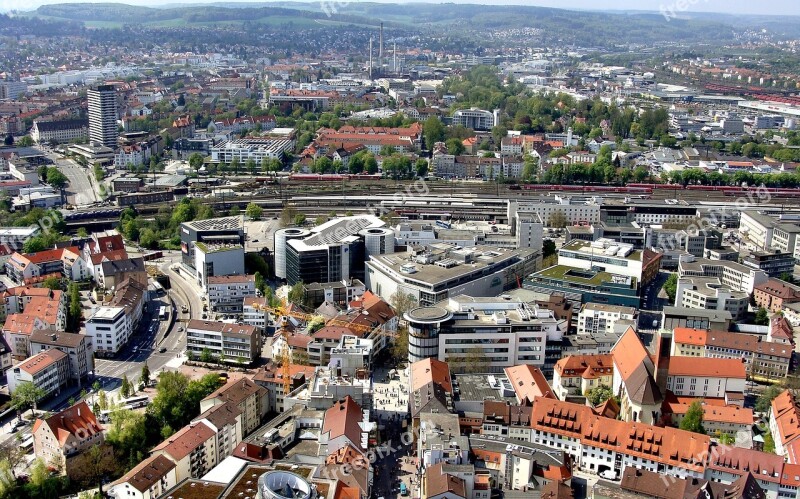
column 215, row 224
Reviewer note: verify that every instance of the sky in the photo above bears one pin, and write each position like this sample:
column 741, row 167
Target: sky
column 771, row 7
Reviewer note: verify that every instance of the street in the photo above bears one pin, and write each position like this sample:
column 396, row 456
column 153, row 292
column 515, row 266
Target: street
column 81, row 190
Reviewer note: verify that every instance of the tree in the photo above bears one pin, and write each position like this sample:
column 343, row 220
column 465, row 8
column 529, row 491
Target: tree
column 433, row 130
column 297, row 293
column 762, row 317
column 27, row 395
column 55, row 178
column 9, row 140
column 421, row 167
column 548, row 248
column 530, row 166
column 25, row 141
column 671, row 287
column 99, row 173
column 127, row 434
column 764, row 401
column 599, row 394
column 693, row 420
column 557, row 220
column 251, row 166
column 254, row 211
column 52, row 282
column 195, row 161
column 402, row 302
column 400, row 345
column 371, row 165
column 177, row 398
column 75, row 309
column 455, row 147
column 145, row 376
column 299, row 219
column 125, row 389
column 206, row 356
column 287, row 216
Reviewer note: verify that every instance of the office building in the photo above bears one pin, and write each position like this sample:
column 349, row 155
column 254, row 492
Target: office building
column 103, row 115
column 474, row 118
column 610, row 256
column 597, row 318
column 774, row 263
column 732, row 275
column 580, row 286
column 708, row 293
column 438, row 271
column 62, row 131
column 495, row 332
column 224, row 235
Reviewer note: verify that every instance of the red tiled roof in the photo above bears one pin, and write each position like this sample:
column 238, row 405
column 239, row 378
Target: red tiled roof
column 431, row 371
column 186, row 440
column 708, row 367
column 343, row 419
column 78, row 418
column 529, row 383
column 40, row 361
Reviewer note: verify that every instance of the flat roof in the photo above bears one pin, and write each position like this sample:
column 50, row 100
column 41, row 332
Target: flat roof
column 107, row 312
column 582, row 276
column 212, row 224
column 478, row 387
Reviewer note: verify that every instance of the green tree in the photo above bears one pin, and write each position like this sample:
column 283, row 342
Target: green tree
column 557, row 220
column 762, row 317
column 297, row 294
column 421, row 167
column 99, row 173
column 145, row 376
column 26, row 395
column 127, row 434
column 769, row 443
column 52, row 282
column 671, row 287
column 8, row 140
column 548, row 248
column 251, row 166
column 693, row 420
column 206, row 356
column 530, row 166
column 764, row 401
column 299, row 219
column 125, row 388
column 400, row 345
column 55, row 178
column 371, row 165
column 433, row 130
column 195, row 161
column 254, row 211
column 75, row 312
column 599, row 394
column 25, row 141
column 455, row 146
column 177, row 398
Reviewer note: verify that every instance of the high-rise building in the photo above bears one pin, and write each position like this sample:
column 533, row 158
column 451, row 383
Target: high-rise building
column 103, row 115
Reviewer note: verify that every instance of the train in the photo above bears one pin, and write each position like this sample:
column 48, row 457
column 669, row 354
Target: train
column 648, row 189
column 333, row 177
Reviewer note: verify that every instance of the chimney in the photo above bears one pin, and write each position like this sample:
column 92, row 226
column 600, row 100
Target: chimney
column 380, row 51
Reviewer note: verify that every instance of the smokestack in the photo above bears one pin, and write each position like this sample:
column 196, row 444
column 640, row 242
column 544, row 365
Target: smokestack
column 380, row 50
column 394, row 55
column 370, row 58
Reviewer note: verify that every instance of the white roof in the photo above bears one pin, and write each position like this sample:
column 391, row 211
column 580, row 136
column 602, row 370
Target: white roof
column 222, row 473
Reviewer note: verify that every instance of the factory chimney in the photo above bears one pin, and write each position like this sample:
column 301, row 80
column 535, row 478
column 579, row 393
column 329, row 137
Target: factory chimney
column 369, row 69
column 380, row 51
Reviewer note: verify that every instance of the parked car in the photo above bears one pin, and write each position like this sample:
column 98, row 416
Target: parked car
column 608, row 474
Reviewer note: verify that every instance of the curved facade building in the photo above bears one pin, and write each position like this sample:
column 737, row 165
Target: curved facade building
column 281, row 237
column 378, row 241
column 284, row 485
column 424, row 325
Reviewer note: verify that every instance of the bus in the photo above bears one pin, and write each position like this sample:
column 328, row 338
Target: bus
column 162, row 313
column 135, row 402
column 27, row 444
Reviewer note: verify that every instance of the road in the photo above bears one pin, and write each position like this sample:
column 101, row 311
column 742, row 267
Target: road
column 81, row 190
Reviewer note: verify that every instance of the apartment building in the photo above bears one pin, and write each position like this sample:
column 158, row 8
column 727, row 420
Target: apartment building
column 713, row 378
column 765, row 359
column 599, row 318
column 784, row 426
column 109, row 329
column 149, row 479
column 254, row 313
column 232, row 343
column 775, row 294
column 577, row 374
column 248, row 397
column 192, row 449
column 226, row 421
column 66, row 434
column 48, row 370
column 78, row 348
column 66, row 262
column 226, row 294
column 708, row 293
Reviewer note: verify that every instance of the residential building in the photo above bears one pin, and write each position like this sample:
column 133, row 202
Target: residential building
column 713, row 378
column 708, row 293
column 192, row 449
column 226, row 422
column 764, row 359
column 775, row 294
column 248, row 397
column 496, row 332
column 597, row 444
column 733, row 275
column 528, row 384
column 149, row 479
column 372, row 138
column 718, row 417
column 109, row 329
column 226, row 294
column 17, row 330
column 114, row 272
column 340, row 293
column 66, row 434
column 78, row 348
column 228, row 342
column 597, row 318
column 254, row 312
column 784, row 426
column 439, row 271
column 62, row 131
column 344, row 425
column 577, row 374
column 440, row 440
column 66, row 262
column 103, row 115
column 48, row 370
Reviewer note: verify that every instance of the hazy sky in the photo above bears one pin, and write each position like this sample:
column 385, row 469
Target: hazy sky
column 771, row 7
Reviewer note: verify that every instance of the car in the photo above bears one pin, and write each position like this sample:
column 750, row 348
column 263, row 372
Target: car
column 135, row 349
column 255, row 240
column 162, row 349
column 608, row 474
